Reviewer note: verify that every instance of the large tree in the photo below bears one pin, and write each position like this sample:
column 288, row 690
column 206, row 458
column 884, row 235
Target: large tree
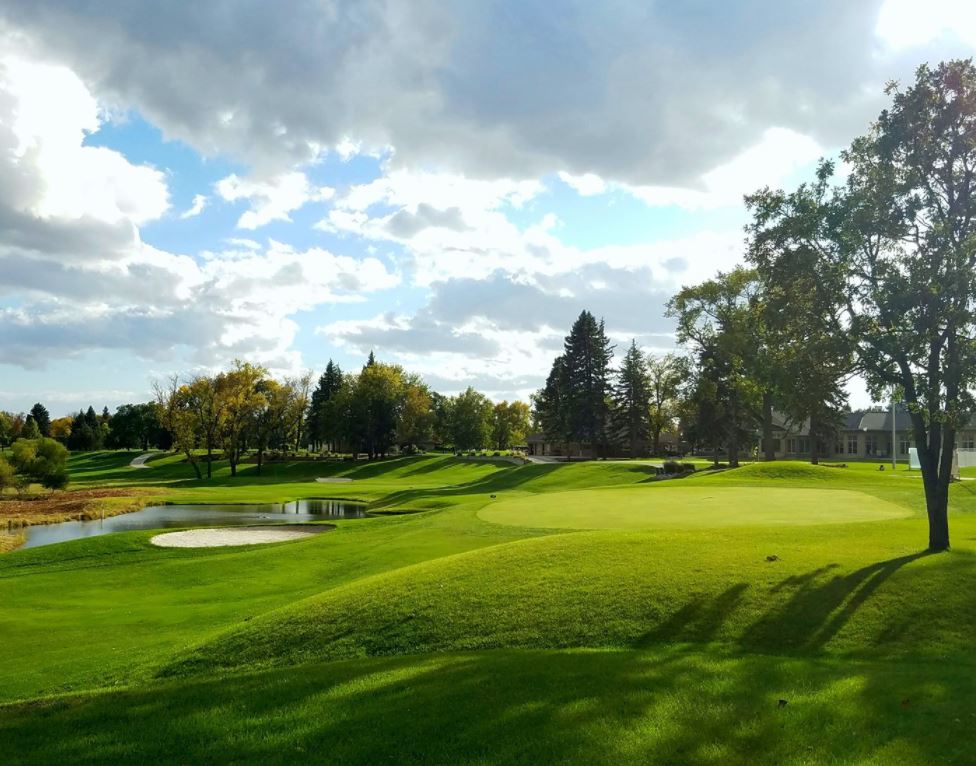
column 510, row 424
column 631, row 400
column 416, row 420
column 174, row 408
column 803, row 315
column 205, row 399
column 471, row 416
column 667, row 376
column 549, row 405
column 587, row 355
column 42, row 418
column 719, row 320
column 323, row 430
column 243, row 399
column 900, row 234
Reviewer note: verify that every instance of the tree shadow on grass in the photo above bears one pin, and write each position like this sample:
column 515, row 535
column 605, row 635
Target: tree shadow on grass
column 518, row 707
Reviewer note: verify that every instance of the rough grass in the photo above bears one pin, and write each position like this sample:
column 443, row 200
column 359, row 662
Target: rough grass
column 70, row 505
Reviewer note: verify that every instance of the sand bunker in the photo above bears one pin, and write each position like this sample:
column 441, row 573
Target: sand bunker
column 334, row 480
column 213, row 538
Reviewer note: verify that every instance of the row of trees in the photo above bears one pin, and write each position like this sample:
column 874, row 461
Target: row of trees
column 383, row 405
column 586, row 402
column 380, row 408
column 132, row 426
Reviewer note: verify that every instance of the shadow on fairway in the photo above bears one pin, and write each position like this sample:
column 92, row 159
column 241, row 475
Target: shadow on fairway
column 508, row 707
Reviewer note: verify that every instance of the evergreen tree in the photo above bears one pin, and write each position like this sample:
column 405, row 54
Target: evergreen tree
column 587, row 354
column 549, row 406
column 30, row 429
column 631, row 398
column 42, row 418
column 322, row 422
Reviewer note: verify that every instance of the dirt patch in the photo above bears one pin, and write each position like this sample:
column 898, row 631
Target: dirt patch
column 225, row 536
column 334, row 480
column 72, row 505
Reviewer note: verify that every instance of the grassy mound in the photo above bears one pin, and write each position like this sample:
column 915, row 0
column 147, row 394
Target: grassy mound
column 518, row 707
column 859, row 594
column 789, row 471
column 677, row 504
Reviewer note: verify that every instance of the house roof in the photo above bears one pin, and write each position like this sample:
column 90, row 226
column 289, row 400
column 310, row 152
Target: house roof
column 858, row 420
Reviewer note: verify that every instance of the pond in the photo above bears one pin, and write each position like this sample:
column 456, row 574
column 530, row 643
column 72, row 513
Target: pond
column 163, row 516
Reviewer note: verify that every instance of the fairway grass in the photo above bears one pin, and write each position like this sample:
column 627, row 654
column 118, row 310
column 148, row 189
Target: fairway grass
column 683, row 506
column 519, row 707
column 499, row 625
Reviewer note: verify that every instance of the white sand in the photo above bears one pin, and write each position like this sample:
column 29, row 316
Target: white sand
column 334, row 480
column 213, row 538
column 140, row 462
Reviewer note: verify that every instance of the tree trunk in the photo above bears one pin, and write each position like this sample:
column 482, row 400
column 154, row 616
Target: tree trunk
column 657, row 441
column 935, row 450
column 814, row 452
column 260, row 460
column 209, row 461
column 769, row 454
column 191, row 461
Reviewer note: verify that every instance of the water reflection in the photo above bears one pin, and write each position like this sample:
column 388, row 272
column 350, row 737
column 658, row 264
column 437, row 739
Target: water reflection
column 164, row 516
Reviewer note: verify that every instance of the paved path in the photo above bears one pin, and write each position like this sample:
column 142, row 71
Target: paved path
column 140, row 462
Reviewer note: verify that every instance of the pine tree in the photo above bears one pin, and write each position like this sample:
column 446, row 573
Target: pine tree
column 321, row 419
column 30, row 429
column 42, row 418
column 587, row 357
column 631, row 396
column 549, row 403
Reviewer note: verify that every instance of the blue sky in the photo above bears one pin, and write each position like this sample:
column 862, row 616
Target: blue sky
column 186, row 184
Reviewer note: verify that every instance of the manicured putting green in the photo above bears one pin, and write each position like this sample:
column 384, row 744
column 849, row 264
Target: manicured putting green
column 647, row 508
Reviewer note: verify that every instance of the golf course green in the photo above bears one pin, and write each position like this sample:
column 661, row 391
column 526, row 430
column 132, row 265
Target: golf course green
column 547, row 613
column 691, row 506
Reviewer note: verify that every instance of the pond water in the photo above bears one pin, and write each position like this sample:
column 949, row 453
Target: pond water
column 163, row 516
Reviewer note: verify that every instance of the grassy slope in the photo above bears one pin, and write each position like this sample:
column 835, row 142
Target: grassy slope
column 115, row 610
column 528, row 707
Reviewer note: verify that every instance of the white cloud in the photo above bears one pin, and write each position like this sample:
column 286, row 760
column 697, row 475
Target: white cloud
column 271, row 199
column 770, row 162
column 908, row 23
column 643, row 94
column 199, row 203
column 586, row 185
column 48, row 113
column 80, row 276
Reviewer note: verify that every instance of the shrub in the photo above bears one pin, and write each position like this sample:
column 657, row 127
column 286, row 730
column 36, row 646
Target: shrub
column 7, row 477
column 688, row 467
column 672, row 467
column 56, row 480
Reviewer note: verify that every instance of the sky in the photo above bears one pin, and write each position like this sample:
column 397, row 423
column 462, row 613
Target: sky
column 183, row 184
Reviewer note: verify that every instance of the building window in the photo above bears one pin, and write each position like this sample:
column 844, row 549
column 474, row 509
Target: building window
column 791, row 446
column 776, row 445
column 968, row 442
column 839, row 447
column 870, row 445
column 852, row 444
column 904, row 445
